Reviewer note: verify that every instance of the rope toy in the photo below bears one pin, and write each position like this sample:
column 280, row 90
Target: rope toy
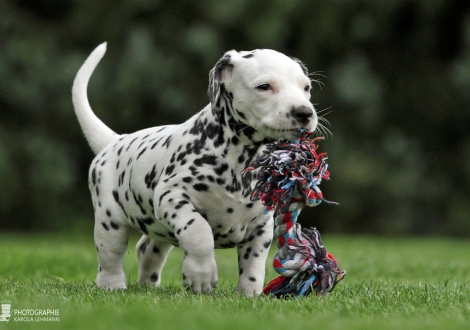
column 289, row 173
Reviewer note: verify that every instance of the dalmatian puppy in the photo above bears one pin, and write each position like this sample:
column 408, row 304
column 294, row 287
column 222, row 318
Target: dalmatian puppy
column 182, row 185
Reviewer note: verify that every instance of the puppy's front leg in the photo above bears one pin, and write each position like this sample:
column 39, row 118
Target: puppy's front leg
column 199, row 266
column 252, row 254
column 194, row 236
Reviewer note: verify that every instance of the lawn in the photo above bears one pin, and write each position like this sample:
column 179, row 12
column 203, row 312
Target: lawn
column 392, row 283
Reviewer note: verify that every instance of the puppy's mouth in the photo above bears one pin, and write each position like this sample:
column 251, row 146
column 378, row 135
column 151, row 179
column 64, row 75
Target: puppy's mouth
column 286, row 134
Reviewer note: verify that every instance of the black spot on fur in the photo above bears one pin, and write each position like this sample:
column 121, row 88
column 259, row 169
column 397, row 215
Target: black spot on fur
column 156, row 143
column 229, row 210
column 188, row 179
column 163, row 195
column 142, row 226
column 235, row 140
column 221, row 169
column 235, row 185
column 181, row 156
column 228, row 245
column 190, row 222
column 197, row 128
column 169, row 169
column 206, row 159
column 181, row 203
column 130, row 144
column 201, row 187
column 93, row 176
column 138, row 201
column 154, row 277
column 193, row 170
column 246, row 256
column 155, row 249
column 220, row 139
column 143, row 247
column 212, row 130
column 248, row 55
column 114, row 225
column 148, row 220
column 116, row 198
column 167, row 141
column 252, row 279
column 149, row 177
column 105, row 226
column 240, row 114
column 170, row 177
column 141, row 153
column 121, row 178
column 267, row 244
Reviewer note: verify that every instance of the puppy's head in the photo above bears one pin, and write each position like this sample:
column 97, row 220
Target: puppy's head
column 267, row 90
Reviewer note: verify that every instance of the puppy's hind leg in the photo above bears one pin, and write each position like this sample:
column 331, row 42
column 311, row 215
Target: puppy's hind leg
column 152, row 256
column 111, row 239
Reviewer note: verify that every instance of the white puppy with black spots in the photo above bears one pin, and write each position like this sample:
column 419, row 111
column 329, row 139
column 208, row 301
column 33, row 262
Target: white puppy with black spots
column 182, row 185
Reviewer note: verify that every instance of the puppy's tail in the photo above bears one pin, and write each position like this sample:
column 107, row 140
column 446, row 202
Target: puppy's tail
column 96, row 132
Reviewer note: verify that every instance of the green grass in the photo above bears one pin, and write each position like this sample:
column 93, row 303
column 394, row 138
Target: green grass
column 391, row 284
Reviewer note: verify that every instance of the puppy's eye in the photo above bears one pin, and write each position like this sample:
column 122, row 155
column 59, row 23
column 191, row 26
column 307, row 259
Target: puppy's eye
column 306, row 88
column 264, row 87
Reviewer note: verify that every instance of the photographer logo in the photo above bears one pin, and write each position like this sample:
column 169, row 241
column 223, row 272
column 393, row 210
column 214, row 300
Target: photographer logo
column 27, row 314
column 6, row 312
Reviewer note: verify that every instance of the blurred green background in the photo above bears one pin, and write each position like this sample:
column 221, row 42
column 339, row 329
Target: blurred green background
column 396, row 75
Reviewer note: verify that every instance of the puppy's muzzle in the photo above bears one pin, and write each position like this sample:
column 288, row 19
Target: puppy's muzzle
column 302, row 114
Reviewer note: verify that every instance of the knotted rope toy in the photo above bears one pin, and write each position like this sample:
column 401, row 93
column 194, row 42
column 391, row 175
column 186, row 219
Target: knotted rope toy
column 288, row 178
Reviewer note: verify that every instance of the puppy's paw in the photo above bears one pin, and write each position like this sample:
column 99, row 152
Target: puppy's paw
column 111, row 281
column 200, row 274
column 250, row 286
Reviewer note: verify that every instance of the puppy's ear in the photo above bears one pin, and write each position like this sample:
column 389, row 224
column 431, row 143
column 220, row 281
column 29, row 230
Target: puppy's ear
column 302, row 66
column 221, row 73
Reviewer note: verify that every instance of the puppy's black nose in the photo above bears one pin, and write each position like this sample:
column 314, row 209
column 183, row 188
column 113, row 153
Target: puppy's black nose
column 302, row 114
